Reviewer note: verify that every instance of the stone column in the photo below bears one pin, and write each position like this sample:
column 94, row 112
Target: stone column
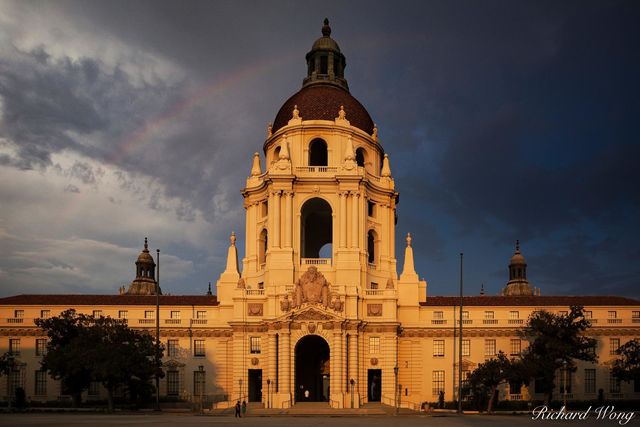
column 276, row 219
column 285, row 363
column 337, row 380
column 354, row 221
column 288, row 225
column 343, row 219
column 271, row 366
column 270, row 220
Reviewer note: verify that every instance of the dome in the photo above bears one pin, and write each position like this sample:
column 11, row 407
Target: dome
column 145, row 257
column 325, row 43
column 517, row 258
column 323, row 102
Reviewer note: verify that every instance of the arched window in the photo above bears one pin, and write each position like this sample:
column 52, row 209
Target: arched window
column 316, row 229
column 262, row 247
column 276, row 154
column 318, row 153
column 360, row 157
column 371, row 246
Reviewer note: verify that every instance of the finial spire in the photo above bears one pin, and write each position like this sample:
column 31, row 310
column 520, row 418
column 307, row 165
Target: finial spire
column 255, row 167
column 482, row 289
column 408, row 239
column 232, row 238
column 146, row 244
column 326, row 29
column 517, row 246
column 386, row 169
column 408, row 269
column 209, row 290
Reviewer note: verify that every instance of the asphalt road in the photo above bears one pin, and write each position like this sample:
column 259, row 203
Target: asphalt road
column 186, row 420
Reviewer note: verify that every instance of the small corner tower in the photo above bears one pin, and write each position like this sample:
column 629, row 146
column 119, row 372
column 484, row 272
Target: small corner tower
column 518, row 285
column 145, row 281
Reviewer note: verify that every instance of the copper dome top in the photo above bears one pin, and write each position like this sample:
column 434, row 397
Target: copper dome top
column 323, row 102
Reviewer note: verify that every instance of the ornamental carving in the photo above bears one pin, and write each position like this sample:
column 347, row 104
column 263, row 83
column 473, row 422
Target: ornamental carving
column 390, row 283
column 241, row 284
column 285, row 304
column 254, row 309
column 311, row 327
column 374, row 310
column 313, row 315
column 374, row 361
column 255, row 361
column 311, row 288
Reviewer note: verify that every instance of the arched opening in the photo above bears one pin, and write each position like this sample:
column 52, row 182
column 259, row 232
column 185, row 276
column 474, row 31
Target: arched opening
column 318, row 153
column 262, row 247
column 276, row 154
column 360, row 157
column 312, row 369
column 371, row 246
column 316, row 228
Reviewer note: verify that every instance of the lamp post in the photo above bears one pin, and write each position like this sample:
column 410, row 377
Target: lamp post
column 395, row 403
column 268, row 393
column 564, row 392
column 240, row 384
column 352, row 382
column 399, row 396
column 157, row 330
column 201, row 370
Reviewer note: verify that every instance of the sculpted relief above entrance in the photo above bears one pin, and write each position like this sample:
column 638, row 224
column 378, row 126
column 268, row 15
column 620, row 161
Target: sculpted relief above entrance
column 312, row 288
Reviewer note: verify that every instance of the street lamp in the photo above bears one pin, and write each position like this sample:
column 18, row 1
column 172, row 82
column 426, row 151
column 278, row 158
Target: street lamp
column 268, row 393
column 395, row 403
column 564, row 392
column 157, row 408
column 201, row 380
column 240, row 384
column 352, row 382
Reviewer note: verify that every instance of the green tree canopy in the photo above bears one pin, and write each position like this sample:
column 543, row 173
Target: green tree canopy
column 553, row 341
column 627, row 367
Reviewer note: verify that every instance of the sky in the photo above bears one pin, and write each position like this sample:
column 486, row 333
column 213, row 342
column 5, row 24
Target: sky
column 503, row 120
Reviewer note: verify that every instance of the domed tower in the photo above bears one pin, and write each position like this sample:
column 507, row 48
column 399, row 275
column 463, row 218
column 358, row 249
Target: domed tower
column 145, row 281
column 518, row 285
column 320, row 230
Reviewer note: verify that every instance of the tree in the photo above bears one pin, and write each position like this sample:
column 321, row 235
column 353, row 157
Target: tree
column 67, row 357
column 7, row 363
column 83, row 348
column 627, row 368
column 554, row 340
column 485, row 379
column 122, row 357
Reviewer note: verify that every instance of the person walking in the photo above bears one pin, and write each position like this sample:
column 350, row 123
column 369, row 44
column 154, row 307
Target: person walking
column 238, row 415
column 244, row 407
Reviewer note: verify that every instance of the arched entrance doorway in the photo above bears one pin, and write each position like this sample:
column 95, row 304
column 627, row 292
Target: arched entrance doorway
column 312, row 369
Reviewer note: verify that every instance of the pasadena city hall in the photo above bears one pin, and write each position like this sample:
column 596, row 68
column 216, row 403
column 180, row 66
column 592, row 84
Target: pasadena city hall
column 316, row 309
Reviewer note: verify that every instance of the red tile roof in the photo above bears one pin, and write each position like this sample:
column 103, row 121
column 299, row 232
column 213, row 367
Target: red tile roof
column 322, row 102
column 100, row 300
column 543, row 300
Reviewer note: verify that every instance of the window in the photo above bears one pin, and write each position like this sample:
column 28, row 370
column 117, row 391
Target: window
column 465, row 315
column 173, row 383
column 516, row 347
column 41, row 346
column 123, row 314
column 438, row 348
column 374, row 285
column 437, row 378
column 198, row 382
column 18, row 314
column 612, row 315
column 635, row 314
column 149, row 314
column 14, row 346
column 262, row 248
column 14, row 381
column 614, row 384
column 371, row 208
column 489, row 315
column 588, row 314
column 438, row 315
column 255, row 345
column 466, row 347
column 372, row 246
column 318, row 153
column 592, row 350
column 97, row 313
column 515, row 388
column 172, row 348
column 489, row 348
column 175, row 315
column 41, row 383
column 198, row 348
column 589, row 380
column 563, row 313
column 374, row 345
column 514, row 315
column 44, row 314
column 201, row 314
column 264, row 209
column 562, row 378
column 94, row 388
column 614, row 344
column 260, row 285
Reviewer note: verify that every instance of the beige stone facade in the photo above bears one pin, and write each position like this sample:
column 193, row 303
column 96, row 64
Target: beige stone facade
column 315, row 310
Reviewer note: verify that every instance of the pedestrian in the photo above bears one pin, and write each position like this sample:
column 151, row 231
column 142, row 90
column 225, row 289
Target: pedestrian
column 244, row 407
column 238, row 409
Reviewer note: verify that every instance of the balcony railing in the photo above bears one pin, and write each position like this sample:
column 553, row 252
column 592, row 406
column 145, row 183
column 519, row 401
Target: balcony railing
column 465, row 321
column 316, row 169
column 255, row 291
column 515, row 396
column 373, row 292
column 172, row 321
column 516, row 321
column 490, row 321
column 198, row 321
column 372, row 266
column 316, row 261
column 438, row 321
column 15, row 320
column 614, row 320
column 146, row 321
